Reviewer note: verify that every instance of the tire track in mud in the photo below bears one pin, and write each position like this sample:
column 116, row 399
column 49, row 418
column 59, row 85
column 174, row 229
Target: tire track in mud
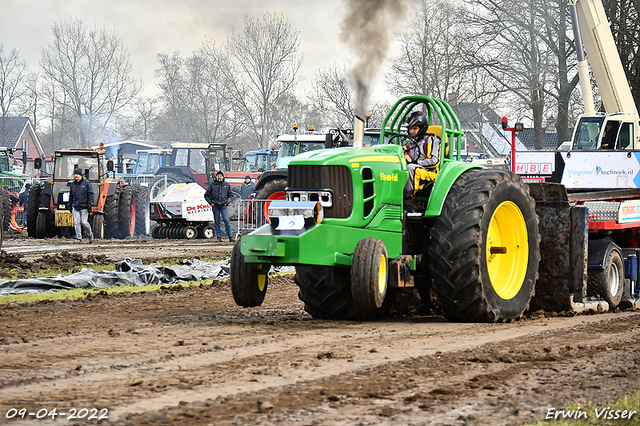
column 248, row 365
column 510, row 378
column 190, row 356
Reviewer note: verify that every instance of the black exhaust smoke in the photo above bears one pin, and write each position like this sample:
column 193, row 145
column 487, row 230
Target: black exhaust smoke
column 368, row 29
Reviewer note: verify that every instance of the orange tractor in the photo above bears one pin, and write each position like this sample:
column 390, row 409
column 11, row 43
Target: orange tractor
column 113, row 213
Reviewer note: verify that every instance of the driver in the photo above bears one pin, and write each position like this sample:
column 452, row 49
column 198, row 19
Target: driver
column 424, row 153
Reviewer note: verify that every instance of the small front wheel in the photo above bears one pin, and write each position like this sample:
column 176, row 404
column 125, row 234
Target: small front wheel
column 248, row 280
column 369, row 275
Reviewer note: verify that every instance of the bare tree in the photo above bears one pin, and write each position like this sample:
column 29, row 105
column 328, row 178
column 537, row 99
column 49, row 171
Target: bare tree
column 510, row 48
column 92, row 69
column 13, row 76
column 199, row 96
column 146, row 111
column 331, row 93
column 212, row 110
column 172, row 87
column 431, row 59
column 624, row 16
column 266, row 51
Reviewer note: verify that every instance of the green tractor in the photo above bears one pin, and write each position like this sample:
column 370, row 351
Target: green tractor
column 471, row 237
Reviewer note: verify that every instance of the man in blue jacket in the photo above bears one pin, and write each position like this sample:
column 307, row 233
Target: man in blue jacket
column 247, row 188
column 81, row 200
column 218, row 194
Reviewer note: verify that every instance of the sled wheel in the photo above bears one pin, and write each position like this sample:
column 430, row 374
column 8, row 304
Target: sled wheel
column 369, row 275
column 176, row 230
column 326, row 292
column 248, row 285
column 190, row 233
column 208, row 232
column 609, row 282
column 485, row 247
column 155, row 232
column 98, row 226
column 33, row 203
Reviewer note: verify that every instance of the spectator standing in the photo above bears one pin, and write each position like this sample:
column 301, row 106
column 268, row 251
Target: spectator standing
column 217, row 195
column 81, row 200
column 247, row 188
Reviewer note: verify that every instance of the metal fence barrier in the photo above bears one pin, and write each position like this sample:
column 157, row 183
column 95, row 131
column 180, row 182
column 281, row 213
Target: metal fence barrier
column 251, row 215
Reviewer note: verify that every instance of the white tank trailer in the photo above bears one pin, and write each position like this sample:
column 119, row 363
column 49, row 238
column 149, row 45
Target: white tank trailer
column 182, row 212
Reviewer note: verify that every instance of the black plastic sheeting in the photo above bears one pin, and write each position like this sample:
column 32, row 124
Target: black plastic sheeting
column 128, row 272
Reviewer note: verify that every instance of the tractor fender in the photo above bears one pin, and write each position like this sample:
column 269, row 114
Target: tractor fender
column 449, row 173
column 599, row 251
column 269, row 176
column 107, row 188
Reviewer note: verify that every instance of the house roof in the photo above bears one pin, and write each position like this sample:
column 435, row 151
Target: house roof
column 549, row 139
column 11, row 128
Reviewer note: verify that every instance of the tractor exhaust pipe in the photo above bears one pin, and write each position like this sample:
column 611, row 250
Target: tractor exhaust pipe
column 358, row 132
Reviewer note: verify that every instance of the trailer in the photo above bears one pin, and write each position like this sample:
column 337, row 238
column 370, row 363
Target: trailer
column 182, row 212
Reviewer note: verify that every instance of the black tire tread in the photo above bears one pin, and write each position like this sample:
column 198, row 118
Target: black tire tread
column 141, row 194
column 598, row 282
column 326, row 292
column 456, row 239
column 33, row 205
column 111, row 215
column 244, row 280
column 5, row 205
column 270, row 187
column 124, row 212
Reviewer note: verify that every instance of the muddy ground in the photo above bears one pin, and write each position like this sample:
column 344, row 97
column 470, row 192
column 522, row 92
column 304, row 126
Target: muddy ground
column 185, row 356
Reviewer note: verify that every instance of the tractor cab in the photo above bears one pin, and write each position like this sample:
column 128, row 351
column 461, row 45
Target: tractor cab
column 91, row 163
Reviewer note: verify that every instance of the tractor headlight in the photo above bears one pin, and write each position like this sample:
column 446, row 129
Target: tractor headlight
column 294, row 215
column 323, row 196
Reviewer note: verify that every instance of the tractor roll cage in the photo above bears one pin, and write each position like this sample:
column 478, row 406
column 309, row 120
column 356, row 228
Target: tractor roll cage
column 392, row 125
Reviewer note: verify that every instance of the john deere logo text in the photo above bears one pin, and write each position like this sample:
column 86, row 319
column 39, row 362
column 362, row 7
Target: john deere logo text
column 392, row 177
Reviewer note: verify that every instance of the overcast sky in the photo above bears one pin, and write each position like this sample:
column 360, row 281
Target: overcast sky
column 149, row 27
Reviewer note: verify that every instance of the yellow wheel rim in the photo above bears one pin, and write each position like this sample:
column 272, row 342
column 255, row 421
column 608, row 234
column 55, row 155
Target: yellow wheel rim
column 382, row 275
column 262, row 279
column 507, row 250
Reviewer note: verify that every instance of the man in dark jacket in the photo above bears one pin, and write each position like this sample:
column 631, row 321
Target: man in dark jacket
column 218, row 194
column 81, row 200
column 247, row 188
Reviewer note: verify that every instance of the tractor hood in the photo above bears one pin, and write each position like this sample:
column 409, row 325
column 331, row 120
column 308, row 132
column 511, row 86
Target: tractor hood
column 348, row 156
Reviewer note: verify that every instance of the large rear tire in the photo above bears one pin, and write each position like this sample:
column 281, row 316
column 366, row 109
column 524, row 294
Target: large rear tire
column 273, row 190
column 485, row 248
column 5, row 209
column 33, row 204
column 97, row 227
column 248, row 286
column 609, row 282
column 126, row 213
column 326, row 292
column 43, row 224
column 142, row 210
column 111, row 229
